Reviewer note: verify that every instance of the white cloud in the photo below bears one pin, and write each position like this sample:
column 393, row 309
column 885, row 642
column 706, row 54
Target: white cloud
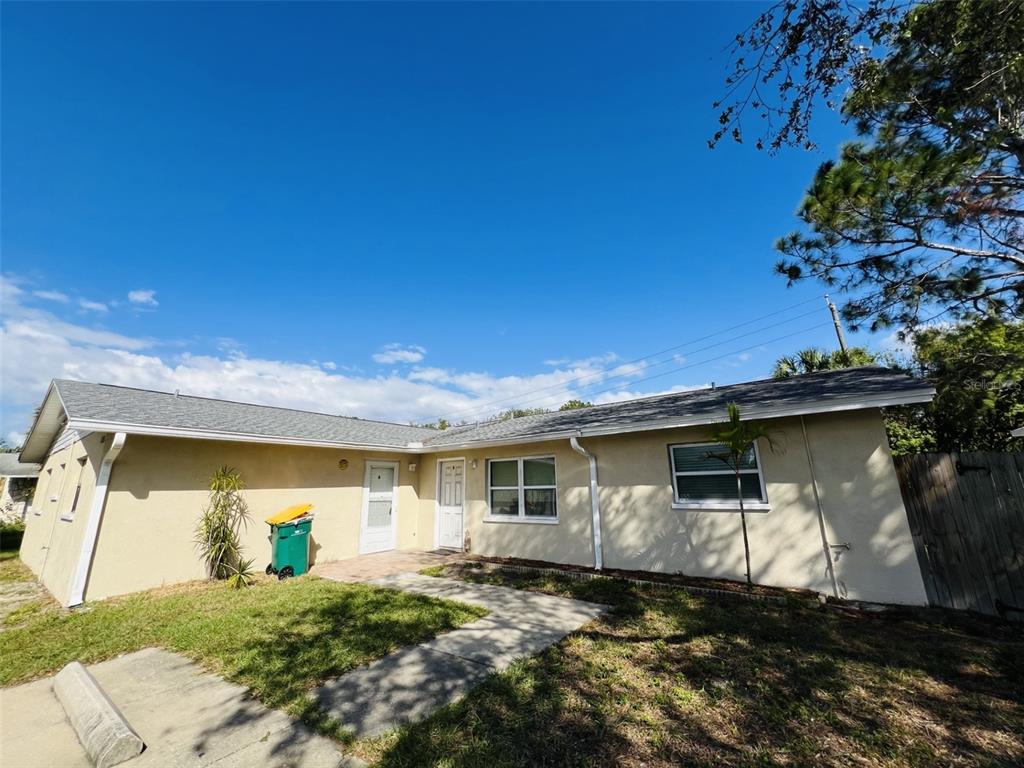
column 38, row 346
column 52, row 296
column 562, row 362
column 145, row 298
column 15, row 438
column 92, row 306
column 399, row 353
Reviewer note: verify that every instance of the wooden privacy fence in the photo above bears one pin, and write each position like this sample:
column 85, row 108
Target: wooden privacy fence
column 966, row 514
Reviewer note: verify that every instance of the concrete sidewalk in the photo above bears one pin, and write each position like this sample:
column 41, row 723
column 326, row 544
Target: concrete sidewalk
column 185, row 716
column 411, row 683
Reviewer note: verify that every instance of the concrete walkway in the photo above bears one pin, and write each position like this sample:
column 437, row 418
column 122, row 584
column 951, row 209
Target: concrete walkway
column 185, row 716
column 411, row 683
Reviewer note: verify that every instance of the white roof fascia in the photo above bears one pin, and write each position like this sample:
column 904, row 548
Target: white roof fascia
column 848, row 404
column 238, row 437
column 852, row 404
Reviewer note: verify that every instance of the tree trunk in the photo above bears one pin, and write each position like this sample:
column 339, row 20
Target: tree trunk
column 743, row 523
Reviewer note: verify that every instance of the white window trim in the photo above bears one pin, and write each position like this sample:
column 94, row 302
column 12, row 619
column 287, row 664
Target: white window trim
column 522, row 517
column 748, row 506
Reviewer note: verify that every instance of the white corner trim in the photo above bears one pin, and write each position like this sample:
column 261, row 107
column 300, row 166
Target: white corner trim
column 92, row 523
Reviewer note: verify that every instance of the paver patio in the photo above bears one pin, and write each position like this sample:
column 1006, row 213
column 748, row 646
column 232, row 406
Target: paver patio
column 409, row 684
column 381, row 564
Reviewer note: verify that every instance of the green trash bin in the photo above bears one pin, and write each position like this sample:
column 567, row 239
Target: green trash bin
column 289, row 547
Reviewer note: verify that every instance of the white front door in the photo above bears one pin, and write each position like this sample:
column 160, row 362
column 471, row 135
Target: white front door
column 380, row 490
column 450, row 504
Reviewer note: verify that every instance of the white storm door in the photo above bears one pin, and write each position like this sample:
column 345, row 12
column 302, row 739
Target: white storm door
column 450, row 504
column 380, row 491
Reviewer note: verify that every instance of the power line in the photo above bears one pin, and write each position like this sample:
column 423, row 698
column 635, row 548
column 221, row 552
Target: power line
column 719, row 357
column 599, row 374
column 696, row 364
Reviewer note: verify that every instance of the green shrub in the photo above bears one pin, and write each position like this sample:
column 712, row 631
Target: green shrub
column 11, row 535
column 217, row 530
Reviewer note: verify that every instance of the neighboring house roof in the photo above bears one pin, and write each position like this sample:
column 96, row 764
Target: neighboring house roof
column 11, row 467
column 102, row 407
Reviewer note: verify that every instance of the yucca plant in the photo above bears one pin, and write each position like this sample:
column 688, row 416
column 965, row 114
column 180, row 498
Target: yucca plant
column 241, row 574
column 736, row 438
column 217, row 531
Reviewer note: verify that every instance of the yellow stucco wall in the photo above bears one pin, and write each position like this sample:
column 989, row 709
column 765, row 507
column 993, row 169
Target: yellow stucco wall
column 860, row 499
column 642, row 531
column 158, row 487
column 568, row 541
column 53, row 534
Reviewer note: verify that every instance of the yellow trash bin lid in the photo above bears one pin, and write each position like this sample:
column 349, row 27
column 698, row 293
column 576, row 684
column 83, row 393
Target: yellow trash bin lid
column 291, row 513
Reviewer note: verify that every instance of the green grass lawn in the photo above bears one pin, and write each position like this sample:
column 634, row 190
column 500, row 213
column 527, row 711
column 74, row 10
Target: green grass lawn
column 668, row 679
column 279, row 639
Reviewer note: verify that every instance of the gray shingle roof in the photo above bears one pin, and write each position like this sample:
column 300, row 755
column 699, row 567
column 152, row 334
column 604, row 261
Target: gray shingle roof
column 106, row 405
column 816, row 391
column 123, row 405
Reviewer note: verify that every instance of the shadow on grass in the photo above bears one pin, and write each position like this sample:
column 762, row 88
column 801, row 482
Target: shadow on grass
column 669, row 679
column 286, row 653
column 277, row 639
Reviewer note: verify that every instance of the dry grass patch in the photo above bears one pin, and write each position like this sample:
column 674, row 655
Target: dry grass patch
column 668, row 679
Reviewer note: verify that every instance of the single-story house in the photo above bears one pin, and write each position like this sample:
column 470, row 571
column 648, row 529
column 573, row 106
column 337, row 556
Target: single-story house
column 627, row 485
column 17, row 482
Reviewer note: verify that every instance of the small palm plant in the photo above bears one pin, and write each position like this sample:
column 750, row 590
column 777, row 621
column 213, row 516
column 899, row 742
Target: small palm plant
column 737, row 438
column 217, row 531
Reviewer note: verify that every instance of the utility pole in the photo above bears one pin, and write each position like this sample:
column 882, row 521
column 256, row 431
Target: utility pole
column 836, row 323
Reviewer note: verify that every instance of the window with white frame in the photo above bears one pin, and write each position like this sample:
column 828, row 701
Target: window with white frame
column 522, row 489
column 703, row 475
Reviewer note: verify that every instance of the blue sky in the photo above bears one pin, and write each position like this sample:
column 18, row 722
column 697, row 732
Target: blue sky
column 397, row 211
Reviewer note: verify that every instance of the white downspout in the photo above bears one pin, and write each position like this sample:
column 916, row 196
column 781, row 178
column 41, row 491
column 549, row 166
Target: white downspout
column 92, row 524
column 821, row 514
column 595, row 504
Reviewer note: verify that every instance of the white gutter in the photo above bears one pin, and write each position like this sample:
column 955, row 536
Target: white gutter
column 419, row 447
column 850, row 404
column 92, row 524
column 92, row 425
column 595, row 504
column 829, row 565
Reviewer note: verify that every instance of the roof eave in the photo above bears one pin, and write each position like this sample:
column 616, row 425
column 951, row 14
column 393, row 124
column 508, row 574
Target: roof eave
column 93, row 425
column 923, row 395
column 38, row 441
